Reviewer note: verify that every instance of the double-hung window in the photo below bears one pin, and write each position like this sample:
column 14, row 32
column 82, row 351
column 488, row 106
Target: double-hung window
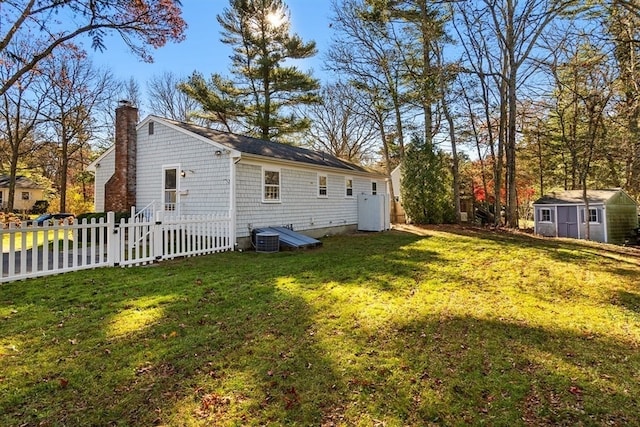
column 593, row 216
column 322, row 186
column 348, row 183
column 271, row 185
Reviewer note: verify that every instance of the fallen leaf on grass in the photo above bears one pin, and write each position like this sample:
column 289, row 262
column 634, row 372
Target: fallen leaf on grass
column 212, row 403
column 575, row 390
column 291, row 398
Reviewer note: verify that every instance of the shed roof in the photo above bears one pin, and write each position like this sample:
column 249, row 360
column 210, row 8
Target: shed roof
column 271, row 149
column 21, row 182
column 575, row 197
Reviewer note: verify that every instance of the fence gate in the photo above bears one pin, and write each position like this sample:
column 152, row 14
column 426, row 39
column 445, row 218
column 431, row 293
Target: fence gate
column 33, row 251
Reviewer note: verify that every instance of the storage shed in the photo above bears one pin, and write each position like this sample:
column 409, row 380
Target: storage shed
column 612, row 215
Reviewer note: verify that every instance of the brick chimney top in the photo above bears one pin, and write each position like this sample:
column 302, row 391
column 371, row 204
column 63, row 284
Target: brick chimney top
column 120, row 190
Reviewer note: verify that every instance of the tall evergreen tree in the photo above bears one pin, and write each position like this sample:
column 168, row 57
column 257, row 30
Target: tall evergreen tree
column 426, row 190
column 264, row 86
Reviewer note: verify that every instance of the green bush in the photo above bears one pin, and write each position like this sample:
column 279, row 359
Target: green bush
column 427, row 194
column 40, row 207
column 98, row 216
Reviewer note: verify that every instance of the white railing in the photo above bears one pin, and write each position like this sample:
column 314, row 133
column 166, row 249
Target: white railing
column 33, row 251
column 144, row 214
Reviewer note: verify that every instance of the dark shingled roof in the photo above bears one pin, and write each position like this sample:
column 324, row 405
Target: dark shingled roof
column 276, row 150
column 21, row 182
column 575, row 197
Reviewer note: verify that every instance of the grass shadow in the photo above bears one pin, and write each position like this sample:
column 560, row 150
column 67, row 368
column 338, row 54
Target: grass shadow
column 396, row 328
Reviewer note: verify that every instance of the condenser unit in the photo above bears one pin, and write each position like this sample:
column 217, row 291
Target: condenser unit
column 267, row 242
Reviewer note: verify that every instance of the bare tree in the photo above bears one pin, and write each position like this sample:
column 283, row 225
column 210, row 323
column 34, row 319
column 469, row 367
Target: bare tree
column 367, row 56
column 77, row 92
column 141, row 24
column 340, row 126
column 167, row 100
column 370, row 61
column 20, row 115
column 507, row 32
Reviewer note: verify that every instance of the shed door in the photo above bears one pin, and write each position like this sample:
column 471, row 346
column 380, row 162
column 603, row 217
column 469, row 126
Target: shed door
column 568, row 221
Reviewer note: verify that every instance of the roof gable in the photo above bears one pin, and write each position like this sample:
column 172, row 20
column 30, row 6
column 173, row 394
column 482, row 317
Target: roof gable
column 21, row 182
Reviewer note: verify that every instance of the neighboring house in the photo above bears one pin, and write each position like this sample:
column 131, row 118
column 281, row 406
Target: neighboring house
column 612, row 215
column 184, row 169
column 27, row 193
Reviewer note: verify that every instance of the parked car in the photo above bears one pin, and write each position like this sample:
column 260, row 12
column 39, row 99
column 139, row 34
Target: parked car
column 52, row 219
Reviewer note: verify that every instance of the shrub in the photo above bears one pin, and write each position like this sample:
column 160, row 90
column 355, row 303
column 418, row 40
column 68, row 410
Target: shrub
column 40, row 207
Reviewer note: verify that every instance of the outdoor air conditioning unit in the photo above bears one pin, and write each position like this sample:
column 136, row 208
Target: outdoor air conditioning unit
column 267, row 242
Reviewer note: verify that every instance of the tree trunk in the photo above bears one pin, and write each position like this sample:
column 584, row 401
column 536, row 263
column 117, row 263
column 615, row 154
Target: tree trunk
column 13, row 172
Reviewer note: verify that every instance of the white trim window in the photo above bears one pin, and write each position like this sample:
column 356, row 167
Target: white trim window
column 545, row 215
column 322, row 186
column 594, row 215
column 374, row 188
column 348, row 187
column 270, row 185
column 170, row 188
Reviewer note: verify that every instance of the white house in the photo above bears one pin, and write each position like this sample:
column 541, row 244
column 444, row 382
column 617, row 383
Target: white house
column 184, row 169
column 26, row 194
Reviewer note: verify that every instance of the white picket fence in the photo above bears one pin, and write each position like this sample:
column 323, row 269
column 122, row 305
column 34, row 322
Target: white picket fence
column 34, row 251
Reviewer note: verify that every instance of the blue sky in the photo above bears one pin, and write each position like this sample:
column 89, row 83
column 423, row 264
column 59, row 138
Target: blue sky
column 202, row 50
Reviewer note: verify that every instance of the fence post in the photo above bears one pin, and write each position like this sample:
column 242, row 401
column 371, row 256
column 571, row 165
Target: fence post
column 113, row 240
column 157, row 237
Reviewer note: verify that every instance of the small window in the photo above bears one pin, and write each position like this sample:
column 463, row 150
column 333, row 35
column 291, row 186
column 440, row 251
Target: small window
column 545, row 215
column 374, row 188
column 150, row 128
column 594, row 215
column 349, row 187
column 271, row 188
column 26, row 195
column 322, row 186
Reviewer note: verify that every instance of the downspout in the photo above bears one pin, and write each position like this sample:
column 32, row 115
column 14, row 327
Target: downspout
column 232, row 201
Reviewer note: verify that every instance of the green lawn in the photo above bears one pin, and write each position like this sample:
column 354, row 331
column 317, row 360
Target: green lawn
column 29, row 238
column 443, row 326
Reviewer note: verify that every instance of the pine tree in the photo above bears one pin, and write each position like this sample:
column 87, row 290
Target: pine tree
column 426, row 184
column 264, row 86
